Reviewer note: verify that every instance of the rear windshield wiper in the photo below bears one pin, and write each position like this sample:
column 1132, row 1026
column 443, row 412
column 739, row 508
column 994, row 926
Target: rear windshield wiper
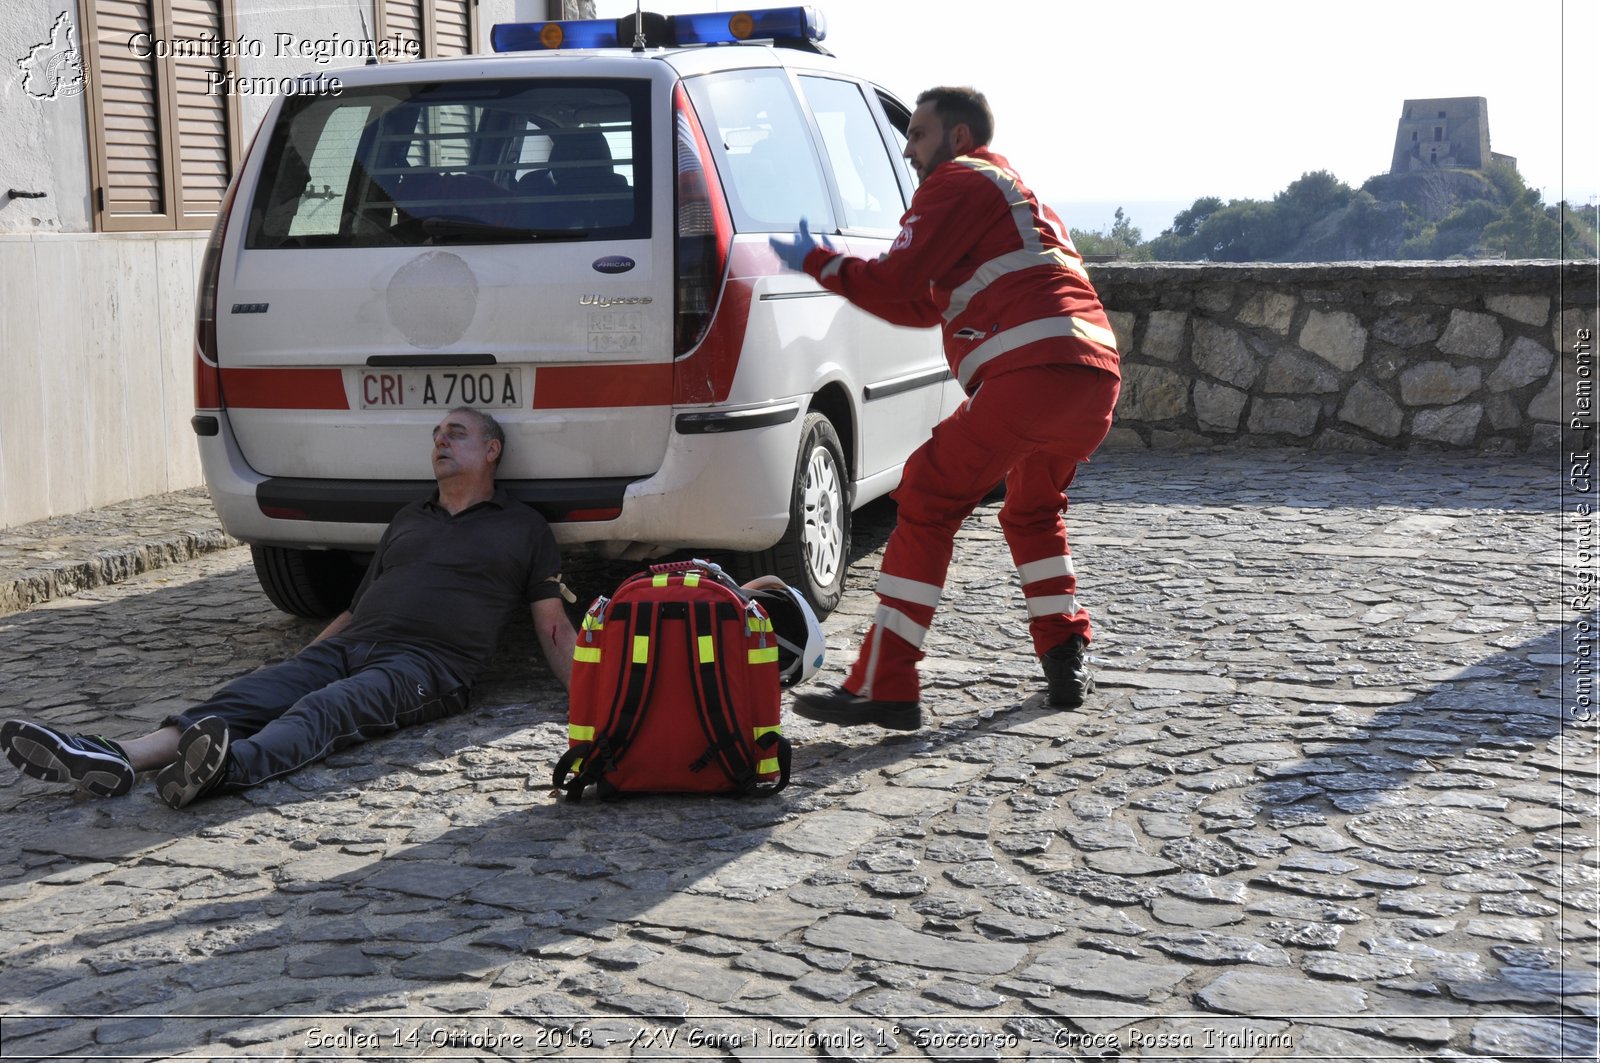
column 448, row 227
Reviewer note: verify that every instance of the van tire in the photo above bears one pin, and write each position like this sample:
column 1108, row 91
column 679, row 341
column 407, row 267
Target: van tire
column 315, row 584
column 814, row 552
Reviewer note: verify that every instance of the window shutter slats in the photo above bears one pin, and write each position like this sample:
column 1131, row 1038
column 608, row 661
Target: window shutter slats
column 202, row 118
column 452, row 28
column 132, row 107
column 403, row 19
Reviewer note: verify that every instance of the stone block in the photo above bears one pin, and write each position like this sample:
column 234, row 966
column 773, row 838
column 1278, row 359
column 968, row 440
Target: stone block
column 1549, row 404
column 1218, row 406
column 1336, row 336
column 1503, row 412
column 1410, row 329
column 1455, row 425
column 1528, row 309
column 1526, row 362
column 1369, row 406
column 1221, row 352
column 1122, row 323
column 1568, row 323
column 1150, row 393
column 1292, row 373
column 1472, row 335
column 1438, row 384
column 1294, row 417
column 1335, row 440
column 1163, row 335
column 1272, row 310
column 1121, row 437
column 1214, row 300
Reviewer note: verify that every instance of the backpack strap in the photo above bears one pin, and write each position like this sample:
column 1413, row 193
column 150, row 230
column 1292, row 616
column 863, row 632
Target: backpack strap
column 600, row 755
column 728, row 746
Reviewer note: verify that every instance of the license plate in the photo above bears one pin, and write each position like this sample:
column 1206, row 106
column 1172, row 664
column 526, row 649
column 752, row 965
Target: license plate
column 498, row 388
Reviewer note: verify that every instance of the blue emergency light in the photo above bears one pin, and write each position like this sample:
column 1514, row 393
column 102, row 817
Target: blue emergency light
column 801, row 26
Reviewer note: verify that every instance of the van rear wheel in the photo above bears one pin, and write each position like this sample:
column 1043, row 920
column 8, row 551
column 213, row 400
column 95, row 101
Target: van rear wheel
column 814, row 552
column 315, row 584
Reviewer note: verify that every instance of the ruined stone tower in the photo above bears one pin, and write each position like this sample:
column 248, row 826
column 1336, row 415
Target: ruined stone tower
column 1450, row 133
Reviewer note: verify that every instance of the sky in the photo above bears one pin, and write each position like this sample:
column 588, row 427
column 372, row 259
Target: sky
column 1151, row 104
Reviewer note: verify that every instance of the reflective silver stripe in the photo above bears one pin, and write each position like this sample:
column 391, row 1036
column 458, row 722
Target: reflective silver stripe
column 908, row 590
column 1043, row 329
column 1010, row 262
column 831, row 268
column 1052, row 605
column 874, row 643
column 894, row 620
column 1045, row 568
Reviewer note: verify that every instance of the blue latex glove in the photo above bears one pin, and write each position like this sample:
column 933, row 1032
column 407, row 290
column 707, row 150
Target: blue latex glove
column 793, row 252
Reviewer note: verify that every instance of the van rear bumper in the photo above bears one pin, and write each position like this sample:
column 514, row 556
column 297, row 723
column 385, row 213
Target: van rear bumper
column 376, row 502
column 713, row 490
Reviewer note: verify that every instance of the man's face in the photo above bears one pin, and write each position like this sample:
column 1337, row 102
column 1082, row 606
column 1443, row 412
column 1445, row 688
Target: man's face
column 927, row 141
column 459, row 447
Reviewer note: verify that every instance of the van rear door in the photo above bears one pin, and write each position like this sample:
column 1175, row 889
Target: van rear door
column 416, row 246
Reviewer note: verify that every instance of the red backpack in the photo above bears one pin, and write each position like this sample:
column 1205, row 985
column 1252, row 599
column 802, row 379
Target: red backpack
column 675, row 690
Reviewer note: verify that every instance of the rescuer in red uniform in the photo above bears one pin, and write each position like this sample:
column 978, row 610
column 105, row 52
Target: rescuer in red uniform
column 1027, row 338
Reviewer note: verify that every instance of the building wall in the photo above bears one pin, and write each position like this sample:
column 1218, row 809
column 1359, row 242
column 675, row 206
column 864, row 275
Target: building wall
column 96, row 329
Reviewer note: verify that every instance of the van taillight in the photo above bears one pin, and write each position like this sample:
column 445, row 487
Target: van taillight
column 207, row 374
column 705, row 230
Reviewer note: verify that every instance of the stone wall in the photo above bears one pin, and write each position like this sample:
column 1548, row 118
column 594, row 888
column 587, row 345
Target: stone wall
column 1358, row 356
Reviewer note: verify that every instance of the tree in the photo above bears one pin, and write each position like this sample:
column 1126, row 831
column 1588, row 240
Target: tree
column 1187, row 222
column 1525, row 230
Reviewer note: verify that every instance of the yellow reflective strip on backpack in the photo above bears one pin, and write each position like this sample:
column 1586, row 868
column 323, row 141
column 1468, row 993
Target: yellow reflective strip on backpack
column 659, row 579
column 764, row 656
column 586, row 654
column 641, row 649
column 592, row 622
column 691, row 579
column 577, row 732
column 760, row 624
column 769, row 765
column 708, row 649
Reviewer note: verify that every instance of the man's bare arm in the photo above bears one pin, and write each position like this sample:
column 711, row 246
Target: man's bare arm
column 336, row 625
column 556, row 637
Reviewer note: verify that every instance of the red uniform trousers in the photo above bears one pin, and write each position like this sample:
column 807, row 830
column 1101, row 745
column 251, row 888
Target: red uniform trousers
column 1031, row 426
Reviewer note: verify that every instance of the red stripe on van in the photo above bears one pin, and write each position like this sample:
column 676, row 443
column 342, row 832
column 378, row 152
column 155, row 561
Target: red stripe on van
column 284, row 389
column 707, row 374
column 586, row 387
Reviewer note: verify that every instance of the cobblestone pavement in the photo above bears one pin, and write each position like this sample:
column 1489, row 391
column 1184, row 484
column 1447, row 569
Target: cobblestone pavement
column 1327, row 803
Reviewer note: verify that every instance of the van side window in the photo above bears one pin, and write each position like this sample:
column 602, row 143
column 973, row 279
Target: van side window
column 862, row 169
column 763, row 149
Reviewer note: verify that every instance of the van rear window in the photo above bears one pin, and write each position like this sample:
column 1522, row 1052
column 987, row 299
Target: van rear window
column 455, row 162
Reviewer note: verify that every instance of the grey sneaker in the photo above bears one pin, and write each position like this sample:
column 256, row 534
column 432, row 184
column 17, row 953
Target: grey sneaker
column 1066, row 672
column 94, row 765
column 201, row 766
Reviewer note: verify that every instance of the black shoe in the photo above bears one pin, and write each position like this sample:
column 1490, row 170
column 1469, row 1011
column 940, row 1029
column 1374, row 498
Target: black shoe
column 833, row 705
column 201, row 766
column 1067, row 673
column 92, row 764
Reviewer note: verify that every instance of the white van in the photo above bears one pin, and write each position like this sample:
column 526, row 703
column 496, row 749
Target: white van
column 574, row 238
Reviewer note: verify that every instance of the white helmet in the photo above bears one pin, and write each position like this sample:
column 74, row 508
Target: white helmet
column 800, row 645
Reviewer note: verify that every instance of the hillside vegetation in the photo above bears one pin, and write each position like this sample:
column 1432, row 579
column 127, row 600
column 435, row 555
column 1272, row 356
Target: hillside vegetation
column 1435, row 214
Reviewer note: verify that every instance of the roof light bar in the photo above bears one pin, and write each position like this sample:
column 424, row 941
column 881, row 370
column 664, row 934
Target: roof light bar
column 772, row 24
column 783, row 25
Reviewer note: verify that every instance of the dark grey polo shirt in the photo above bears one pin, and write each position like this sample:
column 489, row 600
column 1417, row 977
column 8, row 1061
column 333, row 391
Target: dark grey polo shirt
column 446, row 585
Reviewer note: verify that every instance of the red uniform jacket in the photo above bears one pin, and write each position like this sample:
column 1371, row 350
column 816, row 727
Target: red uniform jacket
column 980, row 255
